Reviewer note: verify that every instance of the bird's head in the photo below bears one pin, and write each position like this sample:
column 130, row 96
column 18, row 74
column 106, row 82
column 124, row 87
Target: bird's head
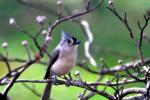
column 69, row 40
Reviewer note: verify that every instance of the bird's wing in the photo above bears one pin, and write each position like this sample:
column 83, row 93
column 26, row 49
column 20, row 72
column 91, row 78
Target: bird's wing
column 54, row 57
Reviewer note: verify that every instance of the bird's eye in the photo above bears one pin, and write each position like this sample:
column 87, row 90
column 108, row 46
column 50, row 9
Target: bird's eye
column 70, row 41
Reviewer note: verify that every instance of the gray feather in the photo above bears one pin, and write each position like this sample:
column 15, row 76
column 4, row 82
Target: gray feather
column 54, row 57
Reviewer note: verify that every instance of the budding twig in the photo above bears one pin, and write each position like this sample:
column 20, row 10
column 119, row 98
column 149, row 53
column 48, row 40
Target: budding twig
column 25, row 44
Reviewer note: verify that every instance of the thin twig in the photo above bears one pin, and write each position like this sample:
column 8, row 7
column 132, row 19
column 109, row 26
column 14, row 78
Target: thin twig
column 123, row 20
column 11, row 83
column 57, row 22
column 31, row 89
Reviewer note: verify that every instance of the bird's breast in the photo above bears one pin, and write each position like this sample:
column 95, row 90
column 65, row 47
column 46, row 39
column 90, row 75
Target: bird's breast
column 64, row 64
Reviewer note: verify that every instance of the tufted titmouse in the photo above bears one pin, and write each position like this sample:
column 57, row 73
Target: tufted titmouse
column 64, row 56
column 63, row 59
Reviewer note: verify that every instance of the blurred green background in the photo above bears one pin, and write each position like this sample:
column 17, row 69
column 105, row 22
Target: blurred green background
column 111, row 39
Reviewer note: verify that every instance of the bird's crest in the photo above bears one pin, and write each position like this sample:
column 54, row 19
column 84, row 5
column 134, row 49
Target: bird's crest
column 65, row 35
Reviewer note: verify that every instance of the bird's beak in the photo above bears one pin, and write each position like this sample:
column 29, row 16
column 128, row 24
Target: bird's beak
column 77, row 42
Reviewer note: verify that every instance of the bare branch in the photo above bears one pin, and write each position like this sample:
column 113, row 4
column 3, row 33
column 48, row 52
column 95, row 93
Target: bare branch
column 133, row 90
column 31, row 89
column 57, row 22
column 123, row 20
column 142, row 30
column 36, row 6
column 11, row 83
column 5, row 59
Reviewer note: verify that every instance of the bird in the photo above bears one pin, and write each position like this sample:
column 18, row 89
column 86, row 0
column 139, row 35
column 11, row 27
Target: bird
column 62, row 61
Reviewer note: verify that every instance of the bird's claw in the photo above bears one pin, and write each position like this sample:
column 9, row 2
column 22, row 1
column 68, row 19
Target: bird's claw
column 70, row 76
column 54, row 79
column 68, row 83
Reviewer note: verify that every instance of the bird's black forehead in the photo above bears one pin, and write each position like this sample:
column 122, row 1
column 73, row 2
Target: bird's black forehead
column 74, row 39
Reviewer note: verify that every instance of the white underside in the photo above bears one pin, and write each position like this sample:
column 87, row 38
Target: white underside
column 65, row 62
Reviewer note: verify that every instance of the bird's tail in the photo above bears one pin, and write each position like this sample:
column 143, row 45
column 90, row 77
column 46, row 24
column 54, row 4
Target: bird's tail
column 47, row 91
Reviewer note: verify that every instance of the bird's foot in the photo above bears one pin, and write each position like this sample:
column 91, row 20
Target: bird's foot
column 54, row 79
column 67, row 82
column 69, row 75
